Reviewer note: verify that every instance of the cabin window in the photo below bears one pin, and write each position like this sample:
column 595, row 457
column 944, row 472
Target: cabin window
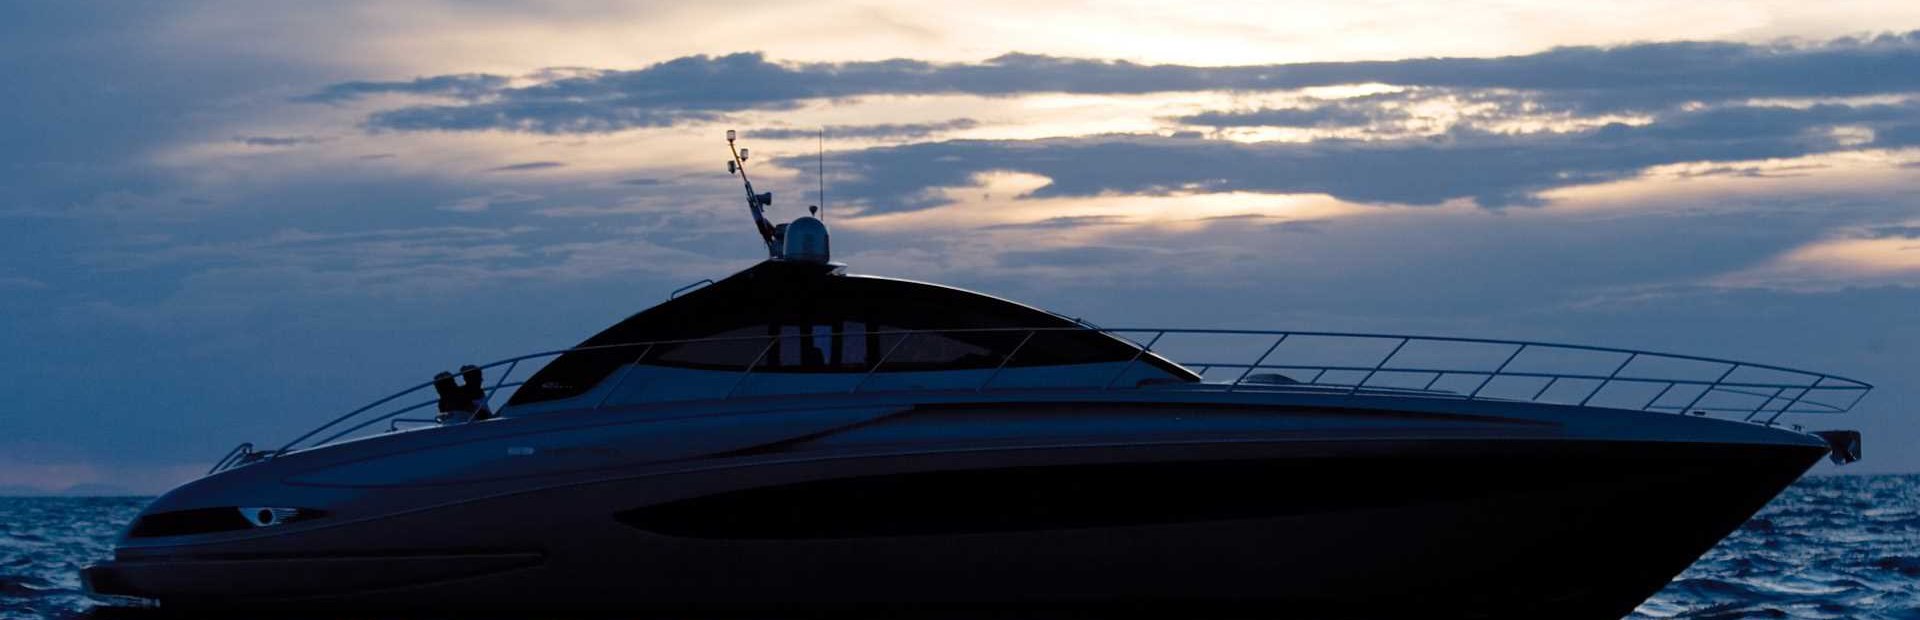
column 731, row 348
column 850, row 348
column 853, row 344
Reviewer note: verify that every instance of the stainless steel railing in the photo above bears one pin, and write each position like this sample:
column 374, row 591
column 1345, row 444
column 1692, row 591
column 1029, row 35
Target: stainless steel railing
column 1337, row 363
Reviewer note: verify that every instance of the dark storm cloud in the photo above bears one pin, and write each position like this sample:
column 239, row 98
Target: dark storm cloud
column 872, row 132
column 1492, row 169
column 1645, row 76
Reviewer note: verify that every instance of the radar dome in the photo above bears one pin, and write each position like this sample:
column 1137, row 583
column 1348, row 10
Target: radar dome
column 807, row 241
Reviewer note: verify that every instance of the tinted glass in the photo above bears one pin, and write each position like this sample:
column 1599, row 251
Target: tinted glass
column 781, row 318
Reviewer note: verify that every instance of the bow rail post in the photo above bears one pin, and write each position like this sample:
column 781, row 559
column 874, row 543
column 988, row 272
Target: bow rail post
column 771, row 340
column 500, row 382
column 622, row 380
column 883, row 359
column 1142, row 352
column 1003, row 362
column 1609, row 379
column 1496, row 372
column 1256, row 363
column 1378, row 366
column 1731, row 366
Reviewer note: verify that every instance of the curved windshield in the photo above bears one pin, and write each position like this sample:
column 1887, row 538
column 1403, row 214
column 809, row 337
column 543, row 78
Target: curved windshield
column 779, row 318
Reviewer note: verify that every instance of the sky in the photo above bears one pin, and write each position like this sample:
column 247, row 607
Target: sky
column 229, row 221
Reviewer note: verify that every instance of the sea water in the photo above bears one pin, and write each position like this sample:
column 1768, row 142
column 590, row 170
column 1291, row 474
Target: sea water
column 1829, row 547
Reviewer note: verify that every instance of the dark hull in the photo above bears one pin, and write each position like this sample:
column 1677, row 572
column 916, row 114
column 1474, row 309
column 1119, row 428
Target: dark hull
column 1448, row 528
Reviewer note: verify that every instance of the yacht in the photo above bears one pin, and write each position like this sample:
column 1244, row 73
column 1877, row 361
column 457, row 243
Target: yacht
column 795, row 437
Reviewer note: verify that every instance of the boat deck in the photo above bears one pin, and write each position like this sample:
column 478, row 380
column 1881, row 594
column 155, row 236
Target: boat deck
column 1230, row 360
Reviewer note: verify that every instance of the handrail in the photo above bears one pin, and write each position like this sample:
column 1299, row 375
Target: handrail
column 676, row 292
column 238, row 453
column 1808, row 392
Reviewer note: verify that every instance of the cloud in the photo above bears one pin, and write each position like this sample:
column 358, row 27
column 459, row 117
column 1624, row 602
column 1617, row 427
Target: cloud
column 1323, row 115
column 275, row 141
column 1754, row 171
column 871, row 132
column 1491, row 169
column 463, row 86
column 1837, row 263
column 1063, row 222
column 368, row 250
column 521, row 167
column 1088, row 256
column 1900, row 135
column 1319, row 116
column 1905, row 231
column 475, row 204
column 1642, row 76
column 21, row 283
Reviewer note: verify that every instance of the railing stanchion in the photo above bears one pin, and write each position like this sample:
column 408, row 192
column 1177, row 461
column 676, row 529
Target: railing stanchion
column 1256, row 363
column 1609, row 379
column 1859, row 393
column 370, row 422
column 1789, row 406
column 1656, row 397
column 1709, row 388
column 296, row 441
column 750, row 365
column 1496, row 372
column 1544, row 388
column 622, row 379
column 676, row 292
column 237, row 453
column 1004, row 361
column 1137, row 354
column 1764, row 403
column 883, row 359
column 500, row 382
column 1378, row 366
column 1796, row 399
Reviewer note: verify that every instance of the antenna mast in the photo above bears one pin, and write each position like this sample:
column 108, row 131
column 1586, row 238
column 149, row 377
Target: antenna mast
column 756, row 203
